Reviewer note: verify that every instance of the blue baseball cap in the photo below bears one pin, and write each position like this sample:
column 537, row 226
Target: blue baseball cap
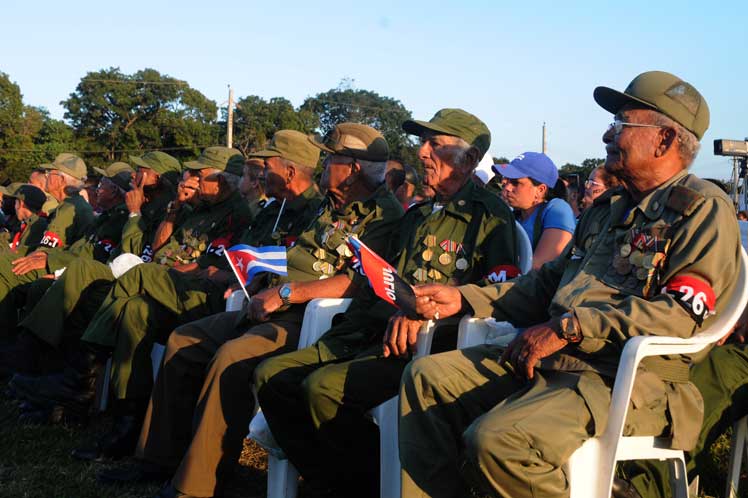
column 535, row 165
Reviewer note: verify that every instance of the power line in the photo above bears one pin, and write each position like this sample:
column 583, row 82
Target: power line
column 118, row 150
column 143, row 82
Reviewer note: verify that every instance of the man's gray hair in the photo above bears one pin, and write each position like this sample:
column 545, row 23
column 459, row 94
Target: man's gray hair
column 72, row 184
column 688, row 144
column 372, row 172
column 464, row 148
column 302, row 168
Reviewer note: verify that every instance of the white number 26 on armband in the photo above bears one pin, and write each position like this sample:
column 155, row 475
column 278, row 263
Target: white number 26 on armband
column 694, row 294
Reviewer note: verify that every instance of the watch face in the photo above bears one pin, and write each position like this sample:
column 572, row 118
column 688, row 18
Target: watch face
column 285, row 291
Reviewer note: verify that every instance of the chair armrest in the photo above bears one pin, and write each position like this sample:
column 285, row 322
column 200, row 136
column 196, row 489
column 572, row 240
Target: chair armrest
column 235, row 300
column 318, row 318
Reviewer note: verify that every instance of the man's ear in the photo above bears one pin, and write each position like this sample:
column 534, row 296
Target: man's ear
column 471, row 157
column 667, row 138
column 290, row 172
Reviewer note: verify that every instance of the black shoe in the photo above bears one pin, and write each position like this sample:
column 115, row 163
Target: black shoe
column 169, row 491
column 118, row 443
column 138, row 471
column 623, row 489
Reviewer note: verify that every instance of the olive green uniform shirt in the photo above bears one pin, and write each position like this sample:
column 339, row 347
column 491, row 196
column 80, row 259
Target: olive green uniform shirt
column 204, row 232
column 50, row 204
column 614, row 279
column 67, row 223
column 468, row 239
column 32, row 231
column 99, row 241
column 138, row 231
column 320, row 251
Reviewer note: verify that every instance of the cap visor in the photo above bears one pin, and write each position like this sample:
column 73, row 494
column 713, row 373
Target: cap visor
column 139, row 162
column 415, row 127
column 510, row 171
column 99, row 171
column 195, row 165
column 48, row 166
column 613, row 100
column 265, row 153
column 321, row 146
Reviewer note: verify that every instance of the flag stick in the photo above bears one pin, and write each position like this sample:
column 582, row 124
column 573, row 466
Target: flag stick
column 283, row 204
column 231, row 265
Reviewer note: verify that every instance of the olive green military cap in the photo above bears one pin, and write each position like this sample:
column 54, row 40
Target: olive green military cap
column 32, row 196
column 70, row 164
column 158, row 161
column 291, row 145
column 454, row 122
column 355, row 140
column 223, row 158
column 114, row 168
column 662, row 92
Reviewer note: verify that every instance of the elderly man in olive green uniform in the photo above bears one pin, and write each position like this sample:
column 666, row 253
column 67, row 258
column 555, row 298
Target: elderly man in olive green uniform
column 231, row 345
column 68, row 305
column 28, row 203
column 38, row 178
column 67, row 224
column 217, row 220
column 99, row 240
column 657, row 258
column 316, row 399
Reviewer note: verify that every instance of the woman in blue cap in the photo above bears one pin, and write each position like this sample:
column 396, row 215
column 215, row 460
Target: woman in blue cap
column 532, row 188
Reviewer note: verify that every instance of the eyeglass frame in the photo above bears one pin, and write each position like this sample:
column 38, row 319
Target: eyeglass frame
column 617, row 126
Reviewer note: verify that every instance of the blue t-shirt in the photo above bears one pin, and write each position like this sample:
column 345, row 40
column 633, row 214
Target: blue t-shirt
column 557, row 214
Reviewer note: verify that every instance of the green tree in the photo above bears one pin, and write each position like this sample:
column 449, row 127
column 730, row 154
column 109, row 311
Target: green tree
column 19, row 124
column 116, row 114
column 501, row 160
column 582, row 170
column 256, row 120
column 364, row 106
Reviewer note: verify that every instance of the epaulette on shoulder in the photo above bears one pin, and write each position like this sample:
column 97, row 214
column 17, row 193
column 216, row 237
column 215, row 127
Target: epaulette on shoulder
column 684, row 200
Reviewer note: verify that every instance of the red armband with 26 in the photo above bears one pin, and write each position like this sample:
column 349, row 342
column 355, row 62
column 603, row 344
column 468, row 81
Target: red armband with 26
column 51, row 239
column 502, row 273
column 694, row 294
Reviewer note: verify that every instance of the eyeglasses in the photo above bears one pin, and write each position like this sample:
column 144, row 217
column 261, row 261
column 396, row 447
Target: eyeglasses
column 52, row 172
column 587, row 183
column 618, row 125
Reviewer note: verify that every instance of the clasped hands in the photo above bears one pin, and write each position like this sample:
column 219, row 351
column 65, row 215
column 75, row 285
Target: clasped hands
column 522, row 354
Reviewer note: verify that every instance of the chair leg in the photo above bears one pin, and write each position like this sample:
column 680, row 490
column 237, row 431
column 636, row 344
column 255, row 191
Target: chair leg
column 737, row 448
column 386, row 416
column 283, row 479
column 678, row 477
column 103, row 386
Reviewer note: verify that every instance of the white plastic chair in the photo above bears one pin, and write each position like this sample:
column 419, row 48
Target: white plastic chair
column 282, row 476
column 738, row 450
column 591, row 468
column 524, row 249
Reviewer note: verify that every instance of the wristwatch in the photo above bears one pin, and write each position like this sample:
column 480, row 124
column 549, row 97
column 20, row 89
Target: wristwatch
column 568, row 328
column 285, row 294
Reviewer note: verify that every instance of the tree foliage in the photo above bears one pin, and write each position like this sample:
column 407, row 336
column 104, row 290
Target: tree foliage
column 119, row 114
column 363, row 106
column 582, row 170
column 256, row 120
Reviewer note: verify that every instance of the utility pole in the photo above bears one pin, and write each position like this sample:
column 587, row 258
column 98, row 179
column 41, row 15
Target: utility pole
column 545, row 140
column 230, row 119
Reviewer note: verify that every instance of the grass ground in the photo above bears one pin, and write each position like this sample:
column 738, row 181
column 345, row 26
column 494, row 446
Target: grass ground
column 35, row 463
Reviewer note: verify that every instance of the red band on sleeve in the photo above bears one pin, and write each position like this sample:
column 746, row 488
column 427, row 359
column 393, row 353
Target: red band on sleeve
column 51, row 239
column 694, row 294
column 502, row 273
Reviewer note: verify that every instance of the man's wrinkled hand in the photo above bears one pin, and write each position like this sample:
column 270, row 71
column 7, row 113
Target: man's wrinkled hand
column 187, row 190
column 435, row 301
column 401, row 335
column 35, row 261
column 532, row 345
column 263, row 304
column 135, row 198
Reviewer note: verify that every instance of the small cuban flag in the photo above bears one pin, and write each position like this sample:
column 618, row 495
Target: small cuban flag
column 383, row 278
column 247, row 261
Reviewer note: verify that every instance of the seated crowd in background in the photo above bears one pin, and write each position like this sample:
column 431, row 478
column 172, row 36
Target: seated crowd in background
column 142, row 261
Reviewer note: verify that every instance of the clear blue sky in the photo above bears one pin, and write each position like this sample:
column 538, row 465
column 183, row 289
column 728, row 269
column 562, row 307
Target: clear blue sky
column 514, row 64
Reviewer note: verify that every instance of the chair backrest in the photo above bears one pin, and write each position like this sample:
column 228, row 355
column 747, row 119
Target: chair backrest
column 524, row 249
column 318, row 316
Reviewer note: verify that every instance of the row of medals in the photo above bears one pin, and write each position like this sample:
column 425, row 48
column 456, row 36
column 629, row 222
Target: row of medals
column 327, row 268
column 449, row 246
column 635, row 263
